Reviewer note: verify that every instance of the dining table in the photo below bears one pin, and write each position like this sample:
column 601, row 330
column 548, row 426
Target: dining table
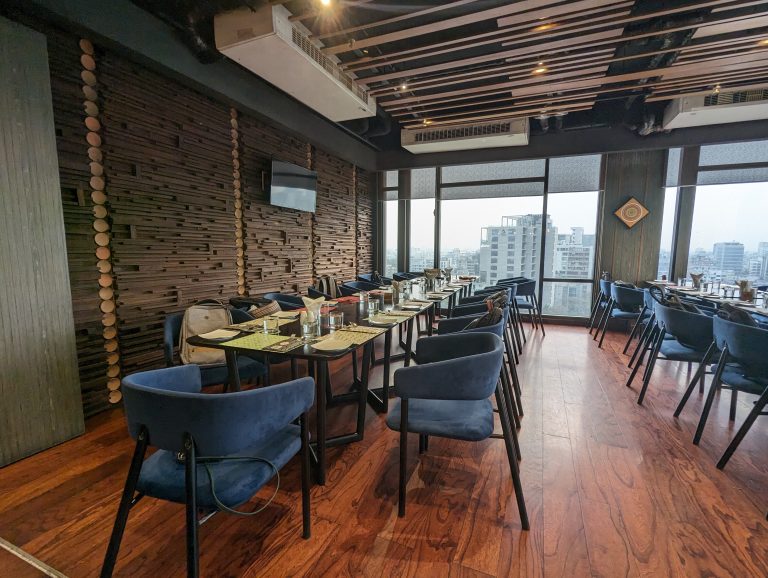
column 758, row 307
column 359, row 330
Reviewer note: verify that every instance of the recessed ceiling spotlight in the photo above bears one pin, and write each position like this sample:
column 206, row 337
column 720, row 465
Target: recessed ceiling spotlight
column 545, row 27
column 403, row 86
column 763, row 42
column 716, row 90
column 325, row 2
column 540, row 70
column 426, row 122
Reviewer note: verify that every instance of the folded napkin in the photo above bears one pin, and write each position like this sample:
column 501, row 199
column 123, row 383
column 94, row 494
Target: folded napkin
column 313, row 308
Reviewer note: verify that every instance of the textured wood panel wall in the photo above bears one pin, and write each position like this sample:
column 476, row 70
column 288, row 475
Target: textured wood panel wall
column 39, row 385
column 168, row 162
column 278, row 242
column 334, row 230
column 365, row 221
column 632, row 254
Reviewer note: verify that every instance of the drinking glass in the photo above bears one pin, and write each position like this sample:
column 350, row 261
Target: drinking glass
column 309, row 330
column 270, row 325
column 336, row 320
column 373, row 307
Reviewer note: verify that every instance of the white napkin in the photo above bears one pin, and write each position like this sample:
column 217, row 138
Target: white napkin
column 313, row 308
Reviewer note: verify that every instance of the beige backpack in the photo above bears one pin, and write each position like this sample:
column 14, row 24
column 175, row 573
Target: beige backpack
column 202, row 317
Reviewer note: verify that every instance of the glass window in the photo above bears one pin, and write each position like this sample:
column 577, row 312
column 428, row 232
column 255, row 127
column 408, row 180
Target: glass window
column 467, row 225
column 567, row 299
column 422, row 250
column 729, row 239
column 667, row 231
column 390, row 237
column 734, row 153
column 568, row 174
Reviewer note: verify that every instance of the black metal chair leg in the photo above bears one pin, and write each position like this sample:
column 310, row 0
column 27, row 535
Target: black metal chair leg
column 697, row 377
column 635, row 329
column 515, row 380
column 649, row 327
column 538, row 313
column 753, row 415
column 507, row 395
column 651, row 365
column 593, row 311
column 512, row 458
column 605, row 313
column 649, row 339
column 193, row 549
column 422, row 444
column 604, row 328
column 710, row 396
column 734, row 400
column 124, row 509
column 306, row 522
column 403, row 457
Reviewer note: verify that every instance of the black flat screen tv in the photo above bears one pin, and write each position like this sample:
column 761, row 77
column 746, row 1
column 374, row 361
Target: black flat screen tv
column 293, row 187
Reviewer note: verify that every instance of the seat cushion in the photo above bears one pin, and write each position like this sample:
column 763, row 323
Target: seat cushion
column 216, row 374
column 457, row 419
column 673, row 350
column 163, row 476
column 619, row 314
column 734, row 376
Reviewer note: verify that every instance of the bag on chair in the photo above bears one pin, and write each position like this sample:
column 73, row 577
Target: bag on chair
column 202, row 317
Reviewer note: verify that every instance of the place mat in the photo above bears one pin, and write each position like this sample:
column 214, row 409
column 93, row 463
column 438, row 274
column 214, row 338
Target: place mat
column 286, row 314
column 257, row 325
column 220, row 334
column 401, row 313
column 384, row 319
column 350, row 337
column 289, row 344
column 365, row 329
column 256, row 341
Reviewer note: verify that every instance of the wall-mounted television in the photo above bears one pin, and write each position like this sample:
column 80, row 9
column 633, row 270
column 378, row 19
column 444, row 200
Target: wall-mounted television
column 293, row 187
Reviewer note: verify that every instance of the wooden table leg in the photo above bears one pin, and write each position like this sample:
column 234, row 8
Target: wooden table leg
column 233, row 371
column 409, row 342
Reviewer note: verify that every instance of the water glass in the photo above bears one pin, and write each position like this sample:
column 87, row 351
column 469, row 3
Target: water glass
column 336, row 320
column 270, row 325
column 373, row 307
column 309, row 330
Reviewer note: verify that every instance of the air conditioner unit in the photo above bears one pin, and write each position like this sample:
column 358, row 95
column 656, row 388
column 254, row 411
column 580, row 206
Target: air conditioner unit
column 266, row 42
column 719, row 108
column 460, row 137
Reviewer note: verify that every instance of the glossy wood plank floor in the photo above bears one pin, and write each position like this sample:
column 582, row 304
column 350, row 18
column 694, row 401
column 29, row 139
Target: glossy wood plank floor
column 613, row 489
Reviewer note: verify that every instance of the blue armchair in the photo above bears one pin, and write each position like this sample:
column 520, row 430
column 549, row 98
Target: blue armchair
column 447, row 395
column 249, row 369
column 351, row 287
column 286, row 301
column 625, row 303
column 743, row 366
column 232, row 445
column 600, row 303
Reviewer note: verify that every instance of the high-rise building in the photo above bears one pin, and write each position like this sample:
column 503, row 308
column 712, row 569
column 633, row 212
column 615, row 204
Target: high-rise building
column 762, row 249
column 729, row 257
column 513, row 249
column 574, row 255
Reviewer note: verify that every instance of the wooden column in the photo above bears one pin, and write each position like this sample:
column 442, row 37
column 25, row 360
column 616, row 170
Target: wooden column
column 686, row 199
column 242, row 288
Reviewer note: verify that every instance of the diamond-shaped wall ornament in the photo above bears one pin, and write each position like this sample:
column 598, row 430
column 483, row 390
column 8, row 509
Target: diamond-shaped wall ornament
column 631, row 212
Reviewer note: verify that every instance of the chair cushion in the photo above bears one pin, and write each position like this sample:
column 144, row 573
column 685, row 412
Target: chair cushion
column 619, row 314
column 163, row 476
column 217, row 374
column 673, row 350
column 457, row 419
column 733, row 375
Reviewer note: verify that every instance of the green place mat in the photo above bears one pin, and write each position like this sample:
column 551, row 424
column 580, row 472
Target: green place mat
column 256, row 341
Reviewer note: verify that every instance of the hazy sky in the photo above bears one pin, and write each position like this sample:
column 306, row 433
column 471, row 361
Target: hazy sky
column 723, row 213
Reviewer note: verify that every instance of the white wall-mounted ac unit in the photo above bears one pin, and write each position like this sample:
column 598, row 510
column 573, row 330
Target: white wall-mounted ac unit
column 460, row 137
column 717, row 108
column 266, row 42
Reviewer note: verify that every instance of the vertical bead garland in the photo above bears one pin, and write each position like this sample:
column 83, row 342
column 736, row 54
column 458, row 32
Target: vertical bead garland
column 310, row 165
column 236, row 188
column 101, row 224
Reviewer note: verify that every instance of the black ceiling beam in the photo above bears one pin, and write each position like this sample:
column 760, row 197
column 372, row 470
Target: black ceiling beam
column 123, row 26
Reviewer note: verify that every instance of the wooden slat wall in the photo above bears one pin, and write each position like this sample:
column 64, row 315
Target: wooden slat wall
column 365, row 221
column 334, row 229
column 39, row 387
column 168, row 164
column 278, row 242
column 74, row 172
column 632, row 254
column 170, row 178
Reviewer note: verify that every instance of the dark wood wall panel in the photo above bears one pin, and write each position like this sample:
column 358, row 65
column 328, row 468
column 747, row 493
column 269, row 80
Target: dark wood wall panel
column 365, row 221
column 632, row 254
column 334, row 228
column 278, row 242
column 39, row 385
column 168, row 163
column 74, row 171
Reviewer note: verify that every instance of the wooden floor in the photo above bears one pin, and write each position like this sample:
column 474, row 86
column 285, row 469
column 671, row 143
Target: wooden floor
column 613, row 489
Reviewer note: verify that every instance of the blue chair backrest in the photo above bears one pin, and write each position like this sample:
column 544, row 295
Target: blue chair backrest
column 360, row 285
column 747, row 346
column 693, row 330
column 315, row 293
column 605, row 287
column 627, row 298
column 169, row 404
column 285, row 300
column 526, row 288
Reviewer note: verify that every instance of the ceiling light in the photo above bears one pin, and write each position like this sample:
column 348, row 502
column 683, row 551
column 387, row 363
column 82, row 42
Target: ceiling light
column 545, row 27
column 325, row 2
column 716, row 90
column 763, row 42
column 540, row 70
column 426, row 122
column 403, row 86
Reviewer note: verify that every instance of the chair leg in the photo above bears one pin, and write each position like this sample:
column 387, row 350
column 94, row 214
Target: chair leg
column 512, row 458
column 403, row 456
column 635, row 329
column 644, row 346
column 593, row 311
column 306, row 522
column 605, row 324
column 651, row 365
column 649, row 326
column 697, row 377
column 294, row 368
column 606, row 312
column 193, row 548
column 515, row 380
column 538, row 313
column 753, row 415
column 710, row 396
column 734, row 400
column 422, row 443
column 124, row 509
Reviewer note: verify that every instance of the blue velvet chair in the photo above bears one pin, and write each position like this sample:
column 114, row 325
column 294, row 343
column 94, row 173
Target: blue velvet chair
column 249, row 368
column 625, row 303
column 742, row 367
column 526, row 300
column 368, row 278
column 315, row 293
column 351, row 287
column 601, row 301
column 232, row 445
column 691, row 342
column 405, row 275
column 286, row 301
column 448, row 395
column 645, row 314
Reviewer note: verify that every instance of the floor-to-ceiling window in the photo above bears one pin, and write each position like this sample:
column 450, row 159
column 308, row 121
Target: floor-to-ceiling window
column 491, row 219
column 421, row 252
column 729, row 236
column 389, row 204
